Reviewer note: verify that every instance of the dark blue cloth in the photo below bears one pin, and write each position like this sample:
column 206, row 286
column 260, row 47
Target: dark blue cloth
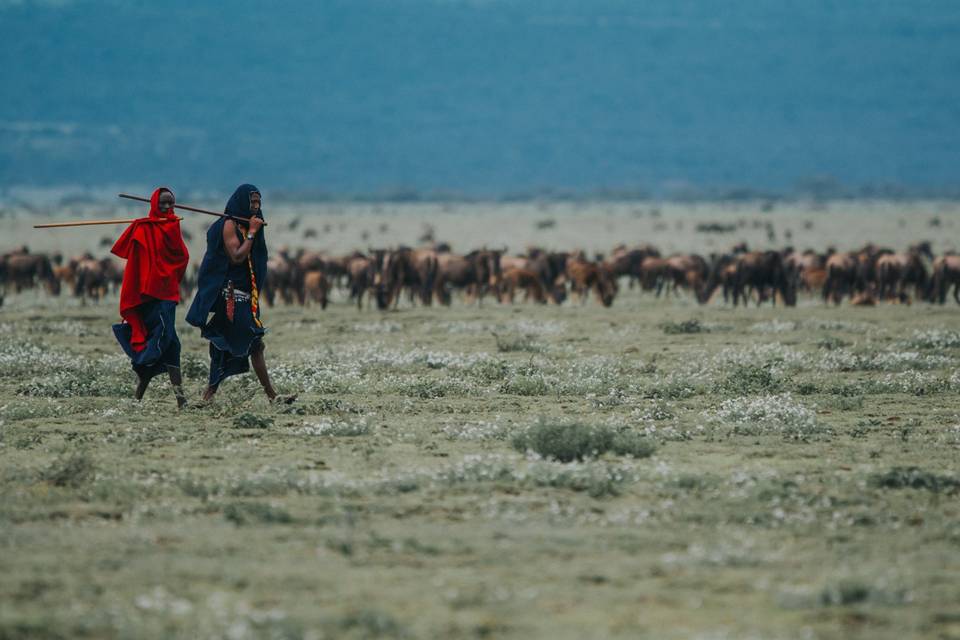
column 239, row 275
column 231, row 343
column 213, row 269
column 163, row 344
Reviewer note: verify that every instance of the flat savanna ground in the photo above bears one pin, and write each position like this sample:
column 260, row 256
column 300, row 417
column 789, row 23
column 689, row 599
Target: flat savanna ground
column 802, row 483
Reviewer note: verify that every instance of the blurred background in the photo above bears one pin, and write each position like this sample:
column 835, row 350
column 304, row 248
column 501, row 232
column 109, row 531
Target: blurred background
column 410, row 100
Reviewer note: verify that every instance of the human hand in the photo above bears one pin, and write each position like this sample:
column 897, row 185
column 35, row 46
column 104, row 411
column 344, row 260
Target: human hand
column 255, row 224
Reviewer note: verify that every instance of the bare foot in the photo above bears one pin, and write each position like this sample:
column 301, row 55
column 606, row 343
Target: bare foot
column 284, row 399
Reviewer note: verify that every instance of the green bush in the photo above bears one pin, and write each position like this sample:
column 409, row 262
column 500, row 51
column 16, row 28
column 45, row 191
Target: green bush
column 243, row 513
column 914, row 478
column 71, row 470
column 424, row 389
column 687, row 326
column 488, row 370
column 525, row 385
column 247, row 420
column 831, row 343
column 571, row 441
column 528, row 343
column 749, row 379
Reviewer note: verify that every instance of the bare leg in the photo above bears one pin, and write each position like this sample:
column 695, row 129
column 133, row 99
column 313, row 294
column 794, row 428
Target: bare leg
column 177, row 381
column 142, row 384
column 259, row 363
column 209, row 392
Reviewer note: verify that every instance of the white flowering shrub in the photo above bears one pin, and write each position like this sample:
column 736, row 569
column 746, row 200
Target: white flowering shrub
column 476, row 431
column 340, row 428
column 778, row 357
column 820, row 324
column 912, row 382
column 776, row 414
column 774, row 326
column 932, row 339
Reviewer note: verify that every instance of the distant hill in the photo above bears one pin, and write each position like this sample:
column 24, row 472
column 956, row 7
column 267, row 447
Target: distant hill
column 483, row 97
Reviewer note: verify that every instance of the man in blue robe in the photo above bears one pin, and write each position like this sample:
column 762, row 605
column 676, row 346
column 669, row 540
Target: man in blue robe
column 231, row 276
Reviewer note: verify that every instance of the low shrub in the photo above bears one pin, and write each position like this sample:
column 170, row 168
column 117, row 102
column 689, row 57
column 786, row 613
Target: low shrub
column 778, row 414
column 244, row 513
column 524, row 342
column 73, row 470
column 914, row 478
column 749, row 379
column 686, row 326
column 247, row 420
column 571, row 441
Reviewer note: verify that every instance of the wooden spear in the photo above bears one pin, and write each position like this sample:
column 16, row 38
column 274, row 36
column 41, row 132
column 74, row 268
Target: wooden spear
column 85, row 223
column 186, row 208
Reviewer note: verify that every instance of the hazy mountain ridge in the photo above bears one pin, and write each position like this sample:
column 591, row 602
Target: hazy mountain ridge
column 483, row 98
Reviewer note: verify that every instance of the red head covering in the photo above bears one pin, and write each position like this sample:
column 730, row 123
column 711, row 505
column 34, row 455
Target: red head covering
column 156, row 261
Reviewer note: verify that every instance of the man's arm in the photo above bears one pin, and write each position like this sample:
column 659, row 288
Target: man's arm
column 238, row 250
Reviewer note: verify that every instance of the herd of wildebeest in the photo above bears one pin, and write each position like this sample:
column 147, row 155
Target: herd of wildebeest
column 381, row 277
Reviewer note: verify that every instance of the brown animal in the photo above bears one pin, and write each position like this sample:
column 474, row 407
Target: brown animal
column 813, row 279
column 841, row 276
column 316, row 287
column 361, row 273
column 896, row 271
column 629, row 262
column 529, row 281
column 399, row 269
column 551, row 268
column 585, row 275
column 766, row 273
column 188, row 284
column 426, row 263
column 93, row 279
column 723, row 273
column 283, row 277
column 475, row 274
column 29, row 270
column 946, row 273
column 653, row 274
column 113, row 273
column 800, row 264
column 679, row 271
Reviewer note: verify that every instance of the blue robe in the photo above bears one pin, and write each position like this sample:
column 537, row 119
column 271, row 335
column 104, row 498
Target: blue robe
column 163, row 344
column 230, row 342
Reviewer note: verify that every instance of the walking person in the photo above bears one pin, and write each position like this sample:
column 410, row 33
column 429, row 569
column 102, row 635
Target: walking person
column 232, row 274
column 156, row 261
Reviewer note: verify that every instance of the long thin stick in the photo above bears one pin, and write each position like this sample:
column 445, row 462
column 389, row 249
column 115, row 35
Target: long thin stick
column 85, row 223
column 185, row 208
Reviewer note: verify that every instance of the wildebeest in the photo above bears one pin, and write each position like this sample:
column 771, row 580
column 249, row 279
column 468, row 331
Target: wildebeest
column 767, row 274
column 584, row 276
column 361, row 274
column 23, row 270
column 896, row 271
column 529, row 281
column 841, row 277
column 475, row 274
column 283, row 277
column 629, row 262
column 316, row 287
column 946, row 273
column 93, row 278
column 405, row 267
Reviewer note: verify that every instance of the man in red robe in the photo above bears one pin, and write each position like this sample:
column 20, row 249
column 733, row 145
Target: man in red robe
column 156, row 261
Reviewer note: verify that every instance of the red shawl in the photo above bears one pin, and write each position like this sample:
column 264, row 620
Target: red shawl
column 156, row 261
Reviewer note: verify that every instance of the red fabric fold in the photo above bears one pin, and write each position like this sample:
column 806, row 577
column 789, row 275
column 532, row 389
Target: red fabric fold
column 156, row 259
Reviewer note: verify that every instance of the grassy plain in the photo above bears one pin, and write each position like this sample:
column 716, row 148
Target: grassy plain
column 803, row 482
